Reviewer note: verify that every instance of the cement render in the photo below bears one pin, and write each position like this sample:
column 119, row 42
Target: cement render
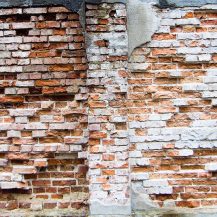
column 147, row 23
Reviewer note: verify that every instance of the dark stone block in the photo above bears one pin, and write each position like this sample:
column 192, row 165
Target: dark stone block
column 184, row 3
column 73, row 5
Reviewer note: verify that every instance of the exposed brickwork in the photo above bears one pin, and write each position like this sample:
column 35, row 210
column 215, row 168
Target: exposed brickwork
column 107, row 82
column 43, row 99
column 172, row 111
column 144, row 127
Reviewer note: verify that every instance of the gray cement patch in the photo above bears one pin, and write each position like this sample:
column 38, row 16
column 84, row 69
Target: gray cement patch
column 143, row 22
column 177, row 212
column 97, row 209
column 105, row 1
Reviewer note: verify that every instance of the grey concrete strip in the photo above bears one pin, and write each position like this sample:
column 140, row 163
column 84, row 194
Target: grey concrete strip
column 73, row 5
column 184, row 3
column 105, row 1
column 97, row 208
column 177, row 212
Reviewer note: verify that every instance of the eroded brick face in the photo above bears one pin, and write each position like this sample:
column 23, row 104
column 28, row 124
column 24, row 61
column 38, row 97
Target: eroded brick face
column 43, row 123
column 172, row 111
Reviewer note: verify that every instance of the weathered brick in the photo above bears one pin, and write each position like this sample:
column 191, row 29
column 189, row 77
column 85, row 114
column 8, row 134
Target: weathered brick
column 35, row 10
column 24, row 169
column 65, row 104
column 22, row 112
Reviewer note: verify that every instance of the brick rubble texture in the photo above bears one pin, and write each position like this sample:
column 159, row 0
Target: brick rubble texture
column 84, row 124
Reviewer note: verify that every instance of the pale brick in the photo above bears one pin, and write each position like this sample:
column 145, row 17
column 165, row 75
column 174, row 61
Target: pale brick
column 191, row 21
column 21, row 119
column 3, row 162
column 210, row 79
column 13, row 133
column 155, row 183
column 143, row 162
column 4, row 148
column 9, row 40
column 25, row 83
column 26, row 148
column 211, row 167
column 35, row 10
column 22, row 112
column 186, row 152
column 23, row 25
column 24, row 169
column 10, row 11
column 9, row 69
column 38, row 134
column 10, row 91
column 64, row 126
column 36, row 126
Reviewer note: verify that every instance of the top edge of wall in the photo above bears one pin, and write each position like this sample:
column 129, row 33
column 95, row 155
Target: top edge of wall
column 75, row 5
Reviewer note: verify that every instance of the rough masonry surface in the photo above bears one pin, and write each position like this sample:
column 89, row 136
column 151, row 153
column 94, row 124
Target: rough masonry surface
column 87, row 131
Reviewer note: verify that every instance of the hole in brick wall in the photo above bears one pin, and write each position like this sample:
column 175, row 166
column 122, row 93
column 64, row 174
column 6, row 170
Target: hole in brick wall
column 34, row 90
column 112, row 13
column 16, row 191
column 6, row 106
column 23, row 17
column 22, row 32
column 30, row 176
column 10, row 19
column 42, row 169
column 32, row 98
column 59, row 53
column 3, row 134
column 49, row 16
column 214, row 174
column 2, row 90
column 9, row 77
column 62, row 98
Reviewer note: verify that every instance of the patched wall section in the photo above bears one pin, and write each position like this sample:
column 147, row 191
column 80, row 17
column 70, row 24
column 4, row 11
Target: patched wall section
column 43, row 107
column 172, row 112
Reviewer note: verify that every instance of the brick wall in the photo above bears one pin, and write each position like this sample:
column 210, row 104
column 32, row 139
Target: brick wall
column 144, row 126
column 43, row 123
column 172, row 112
